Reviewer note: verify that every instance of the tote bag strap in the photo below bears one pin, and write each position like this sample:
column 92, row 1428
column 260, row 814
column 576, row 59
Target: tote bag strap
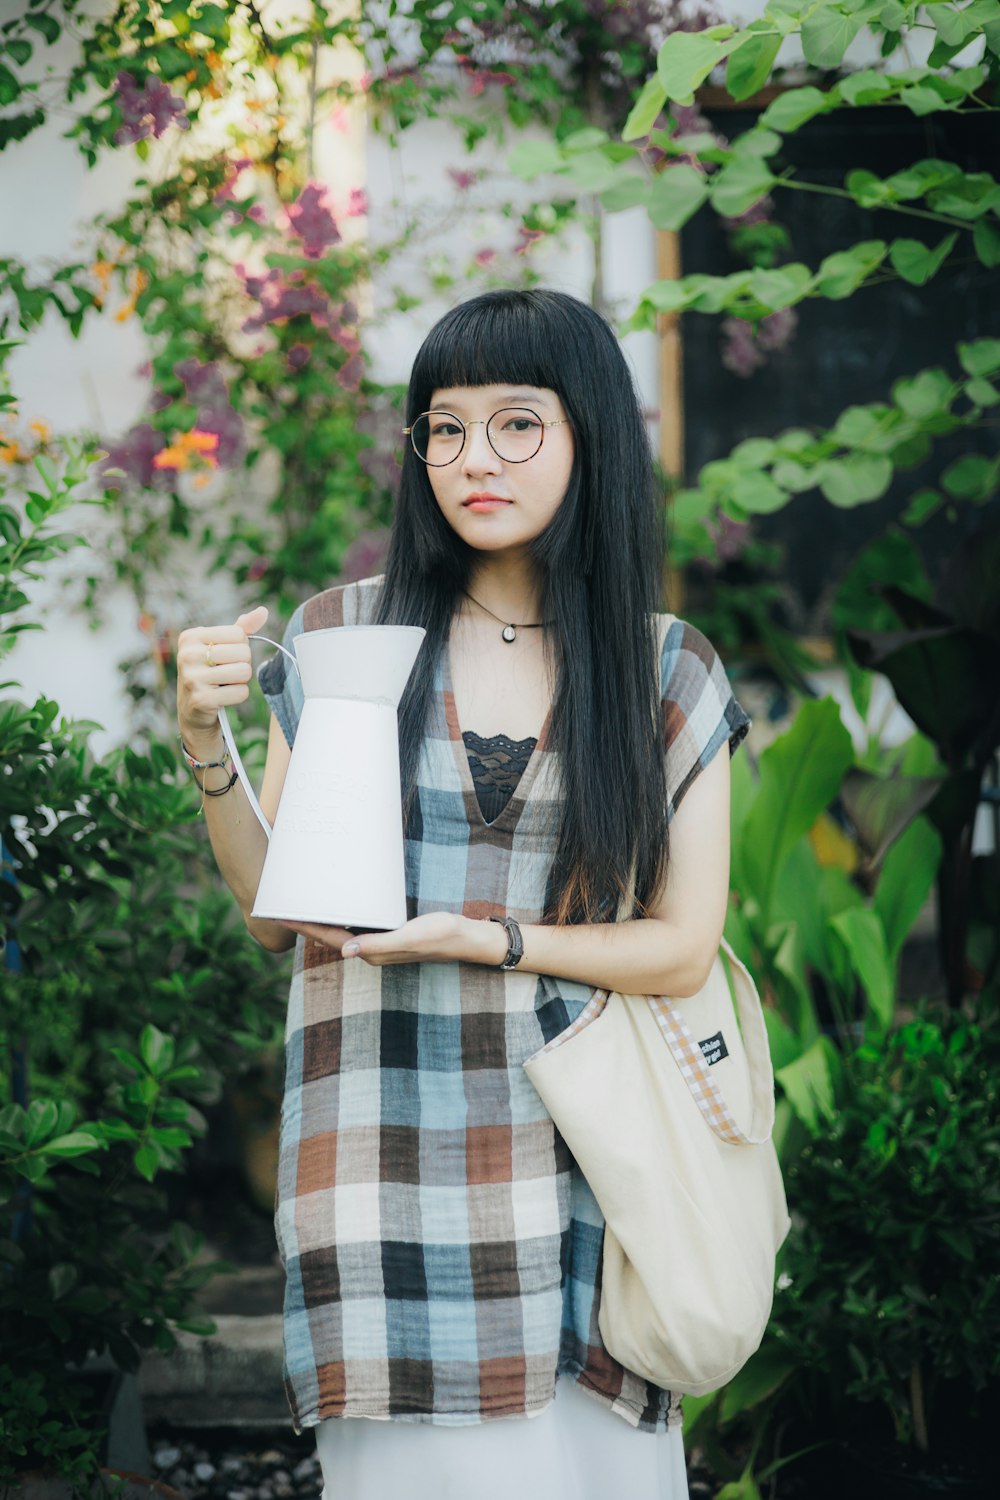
column 694, row 1069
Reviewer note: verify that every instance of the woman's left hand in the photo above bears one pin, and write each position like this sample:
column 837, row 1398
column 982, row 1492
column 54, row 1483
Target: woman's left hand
column 436, row 937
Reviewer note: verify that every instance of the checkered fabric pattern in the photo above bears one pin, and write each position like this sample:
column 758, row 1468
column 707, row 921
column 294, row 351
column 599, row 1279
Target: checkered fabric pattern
column 443, row 1252
column 694, row 1070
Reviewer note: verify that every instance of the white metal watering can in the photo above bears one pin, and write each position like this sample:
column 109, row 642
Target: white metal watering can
column 335, row 853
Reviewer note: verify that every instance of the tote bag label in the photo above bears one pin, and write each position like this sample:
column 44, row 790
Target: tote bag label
column 714, row 1048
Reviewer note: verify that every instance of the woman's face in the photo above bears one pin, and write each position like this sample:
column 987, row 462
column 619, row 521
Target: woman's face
column 495, row 505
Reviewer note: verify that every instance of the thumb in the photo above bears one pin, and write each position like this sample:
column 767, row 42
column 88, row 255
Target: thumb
column 253, row 620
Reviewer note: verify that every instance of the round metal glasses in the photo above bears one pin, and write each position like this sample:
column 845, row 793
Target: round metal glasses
column 515, row 434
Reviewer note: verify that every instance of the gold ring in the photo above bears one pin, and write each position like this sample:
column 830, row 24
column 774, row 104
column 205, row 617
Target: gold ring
column 210, row 660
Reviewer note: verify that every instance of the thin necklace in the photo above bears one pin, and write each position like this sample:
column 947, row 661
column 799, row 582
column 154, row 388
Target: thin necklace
column 509, row 631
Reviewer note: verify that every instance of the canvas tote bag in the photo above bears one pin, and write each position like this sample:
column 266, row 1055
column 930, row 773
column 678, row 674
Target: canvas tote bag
column 668, row 1106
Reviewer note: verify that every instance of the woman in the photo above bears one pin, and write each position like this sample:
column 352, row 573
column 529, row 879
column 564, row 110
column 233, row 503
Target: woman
column 442, row 1251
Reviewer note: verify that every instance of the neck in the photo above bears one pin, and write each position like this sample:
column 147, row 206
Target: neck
column 509, row 587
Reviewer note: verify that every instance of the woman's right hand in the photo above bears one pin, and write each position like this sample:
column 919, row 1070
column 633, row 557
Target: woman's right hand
column 213, row 672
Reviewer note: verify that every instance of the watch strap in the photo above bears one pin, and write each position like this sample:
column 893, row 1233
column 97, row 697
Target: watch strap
column 515, row 942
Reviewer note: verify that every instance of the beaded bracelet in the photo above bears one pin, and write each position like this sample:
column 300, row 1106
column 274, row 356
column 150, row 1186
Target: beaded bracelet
column 204, row 765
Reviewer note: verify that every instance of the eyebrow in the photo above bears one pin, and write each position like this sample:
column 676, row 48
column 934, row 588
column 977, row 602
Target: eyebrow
column 516, row 398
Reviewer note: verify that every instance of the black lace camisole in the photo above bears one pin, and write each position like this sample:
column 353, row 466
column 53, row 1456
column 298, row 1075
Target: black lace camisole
column 497, row 764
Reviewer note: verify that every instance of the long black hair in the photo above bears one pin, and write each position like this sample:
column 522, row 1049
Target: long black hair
column 601, row 564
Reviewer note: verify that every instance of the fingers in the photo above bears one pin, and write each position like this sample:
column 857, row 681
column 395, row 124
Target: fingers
column 331, row 937
column 253, row 620
column 214, row 669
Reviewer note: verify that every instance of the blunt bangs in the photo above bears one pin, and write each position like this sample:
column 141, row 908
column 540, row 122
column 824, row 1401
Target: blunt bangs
column 506, row 338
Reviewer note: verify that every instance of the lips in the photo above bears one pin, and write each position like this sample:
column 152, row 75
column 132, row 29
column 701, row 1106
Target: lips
column 485, row 501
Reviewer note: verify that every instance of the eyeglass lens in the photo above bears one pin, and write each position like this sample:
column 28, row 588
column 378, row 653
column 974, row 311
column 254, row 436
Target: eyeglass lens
column 515, row 435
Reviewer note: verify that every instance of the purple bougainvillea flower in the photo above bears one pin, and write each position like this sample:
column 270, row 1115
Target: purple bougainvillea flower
column 298, row 356
column 528, row 238
column 463, row 180
column 202, row 383
column 148, row 110
column 729, row 537
column 221, row 419
column 777, row 330
column 357, row 204
column 740, row 353
column 312, row 221
column 485, row 257
column 134, row 454
column 350, row 373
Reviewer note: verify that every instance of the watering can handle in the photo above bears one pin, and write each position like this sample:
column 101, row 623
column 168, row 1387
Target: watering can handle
column 227, row 735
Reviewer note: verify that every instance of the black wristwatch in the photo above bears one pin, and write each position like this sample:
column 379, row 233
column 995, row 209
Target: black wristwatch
column 515, row 943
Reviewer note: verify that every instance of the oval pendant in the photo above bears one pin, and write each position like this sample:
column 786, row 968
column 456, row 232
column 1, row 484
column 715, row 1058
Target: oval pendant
column 509, row 634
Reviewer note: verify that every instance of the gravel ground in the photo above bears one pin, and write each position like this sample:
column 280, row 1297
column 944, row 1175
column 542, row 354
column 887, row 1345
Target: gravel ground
column 226, row 1466
column 237, row 1466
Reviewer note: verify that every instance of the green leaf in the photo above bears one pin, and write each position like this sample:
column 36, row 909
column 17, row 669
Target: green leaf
column 20, row 50
column 62, row 1279
column 749, row 68
column 531, row 158
column 781, row 287
column 827, row 34
column 47, row 26
column 627, row 192
column 147, row 1160
column 789, row 111
column 757, row 494
column 921, row 507
column 866, row 87
column 986, row 240
column 41, row 1121
column 740, row 184
column 809, row 1084
column 757, row 142
column 924, row 395
column 867, row 190
column 156, row 1048
column 839, row 275
column 687, row 57
column 972, row 477
column 968, row 196
column 645, row 110
column 667, row 296
column 981, row 392
column 676, row 195
column 917, row 263
column 905, row 880
column 953, row 26
column 592, row 171
column 73, row 1144
column 9, row 86
column 861, row 931
column 800, row 774
column 855, row 479
column 769, row 1368
column 585, row 139
column 920, row 99
column 981, row 357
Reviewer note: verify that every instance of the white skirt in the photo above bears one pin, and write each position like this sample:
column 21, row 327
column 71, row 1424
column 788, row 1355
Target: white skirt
column 576, row 1449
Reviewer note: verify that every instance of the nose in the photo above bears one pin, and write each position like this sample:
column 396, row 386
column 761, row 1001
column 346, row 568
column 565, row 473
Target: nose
column 478, row 455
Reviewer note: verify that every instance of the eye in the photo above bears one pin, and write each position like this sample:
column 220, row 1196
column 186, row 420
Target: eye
column 445, row 427
column 520, row 422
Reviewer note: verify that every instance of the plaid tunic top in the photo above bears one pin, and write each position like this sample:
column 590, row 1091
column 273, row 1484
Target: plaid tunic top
column 442, row 1250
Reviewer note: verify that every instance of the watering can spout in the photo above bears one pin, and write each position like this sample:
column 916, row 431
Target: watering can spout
column 335, row 854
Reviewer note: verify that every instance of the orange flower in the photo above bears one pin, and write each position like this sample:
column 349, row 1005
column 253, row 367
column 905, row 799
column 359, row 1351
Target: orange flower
column 42, row 431
column 185, row 447
column 11, row 451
